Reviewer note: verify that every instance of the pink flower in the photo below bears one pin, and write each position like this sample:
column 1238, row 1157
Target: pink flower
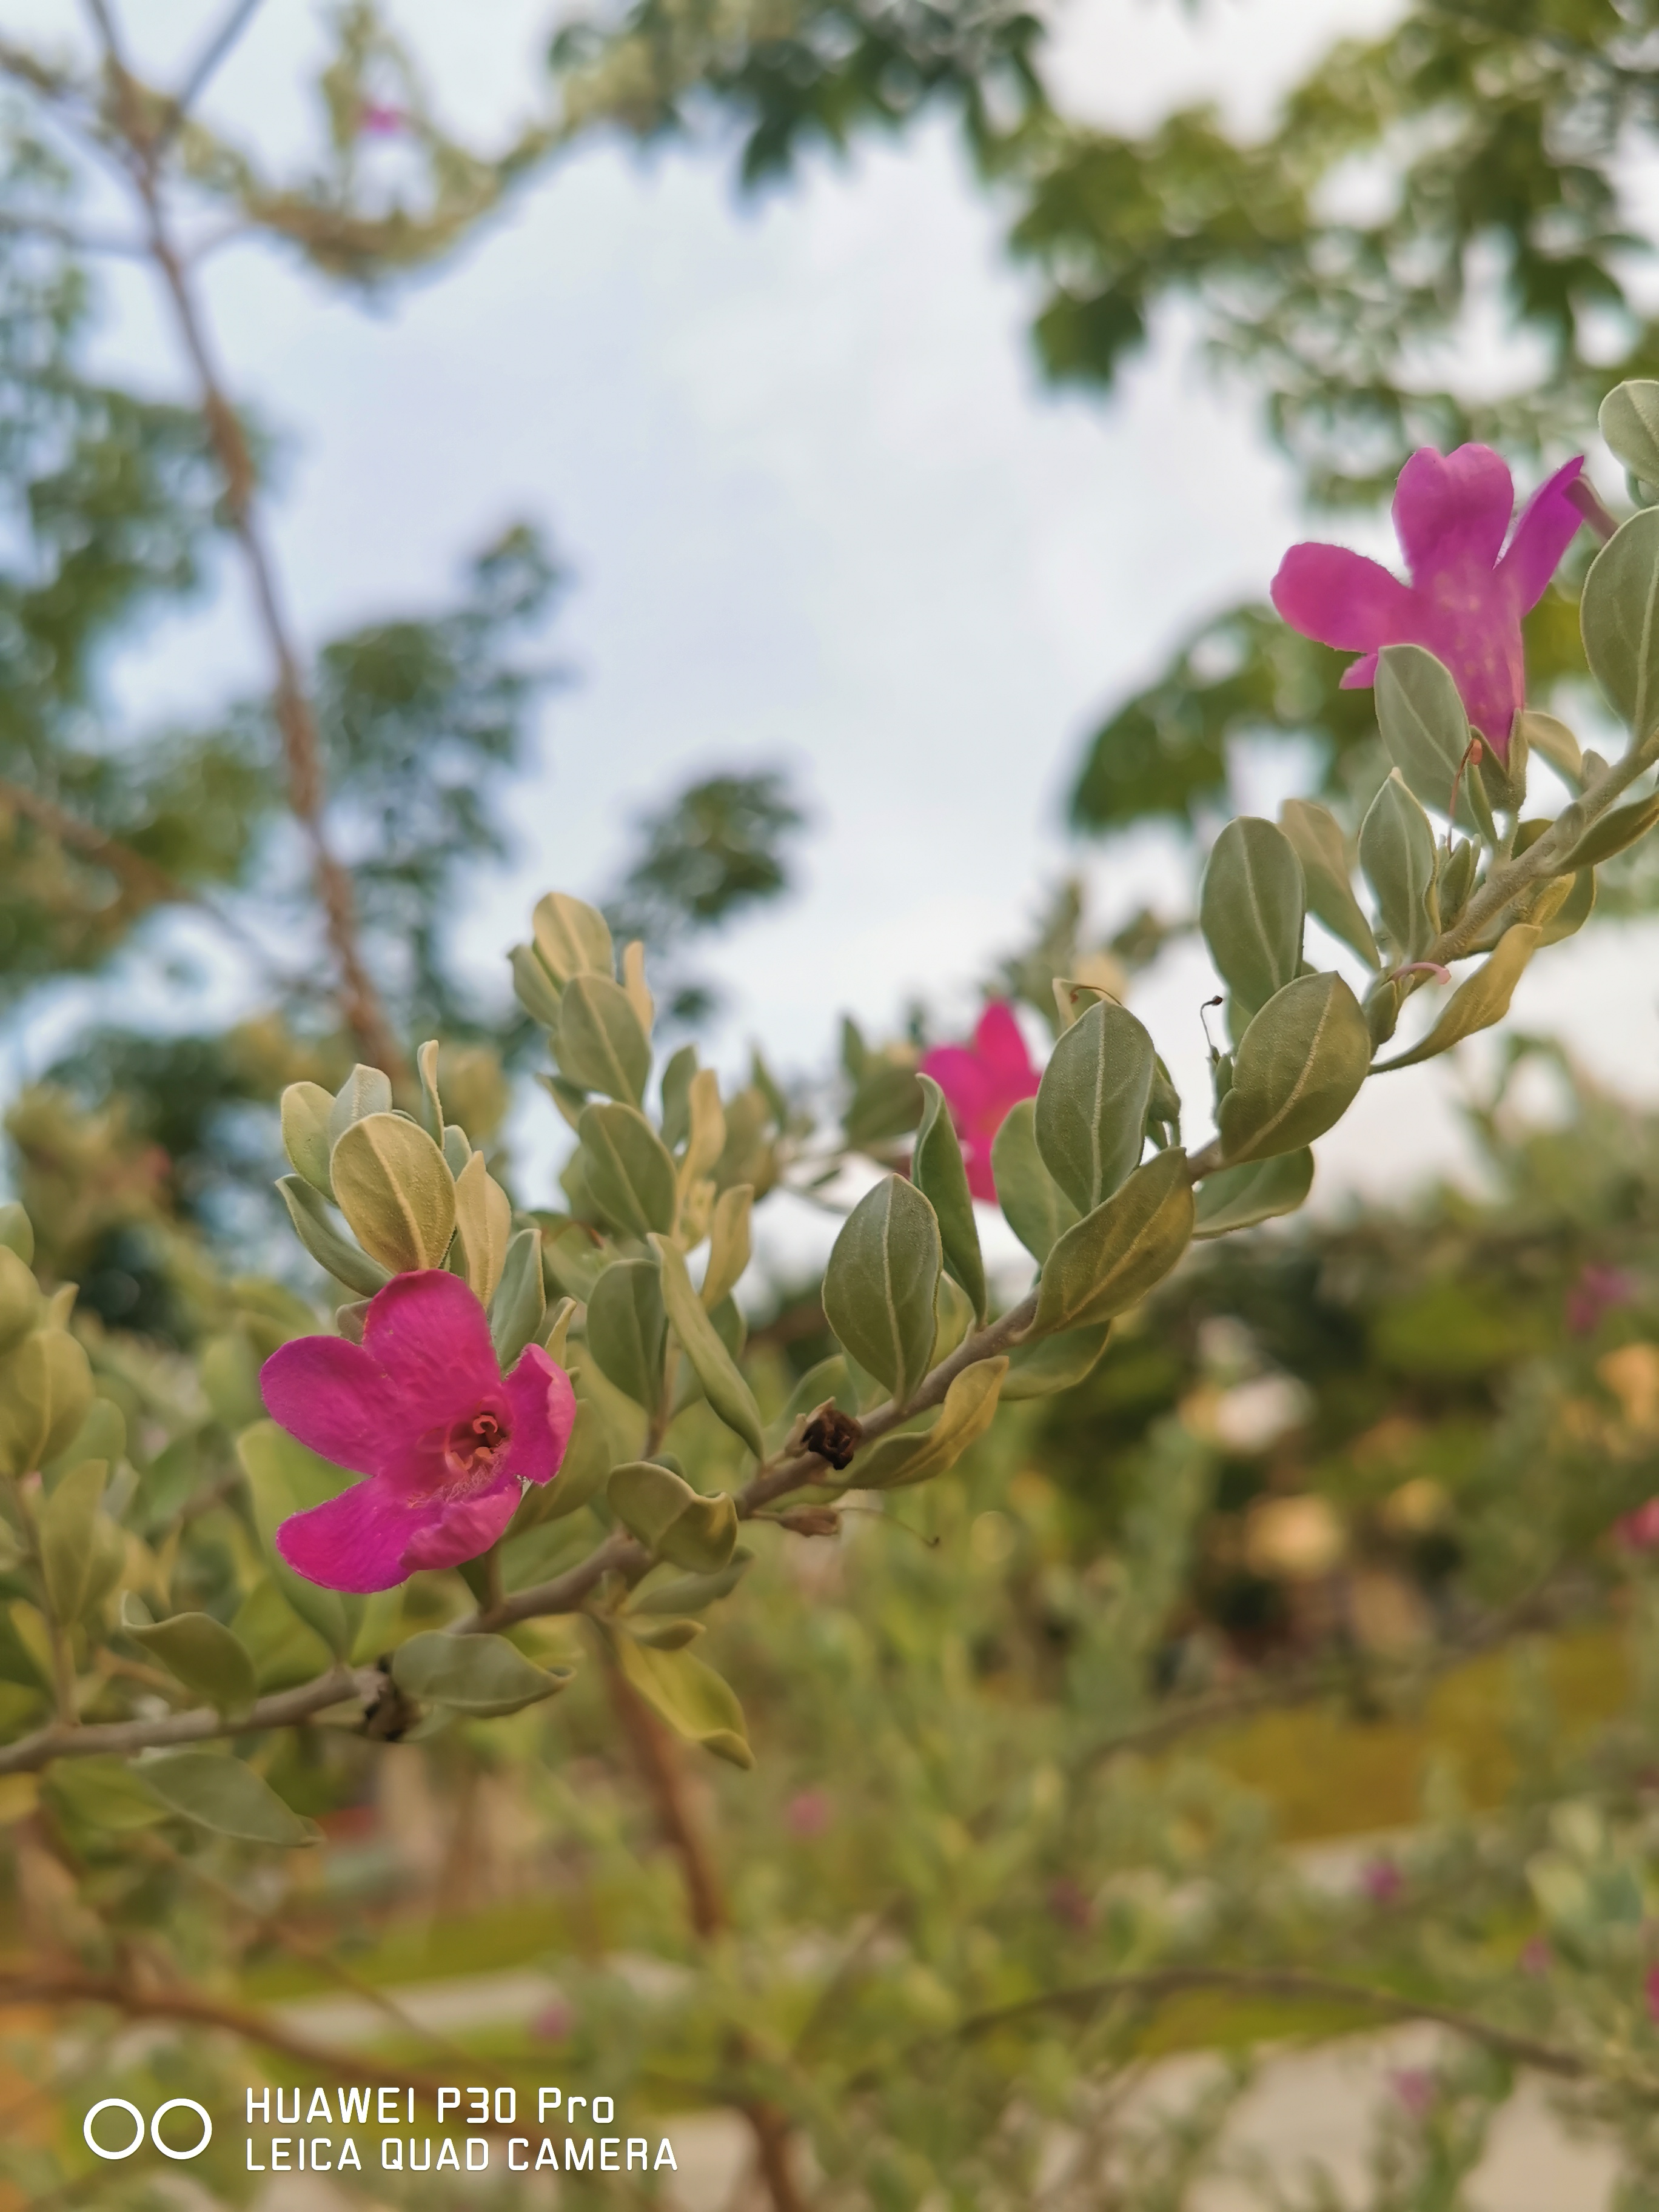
column 807, row 1814
column 1536, row 1956
column 1598, row 1291
column 1382, row 1880
column 554, row 2023
column 1467, row 595
column 981, row 1082
column 421, row 1408
column 1415, row 2089
column 376, row 120
column 1639, row 1531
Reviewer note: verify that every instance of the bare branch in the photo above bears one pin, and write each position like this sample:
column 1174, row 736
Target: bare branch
column 340, row 1686
column 1293, row 1986
column 215, row 50
column 296, row 721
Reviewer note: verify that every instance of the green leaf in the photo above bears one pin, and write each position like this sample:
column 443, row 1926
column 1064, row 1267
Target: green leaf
column 885, row 1104
column 1629, row 423
column 1558, row 744
column 725, row 1388
column 365, row 1090
column 1322, row 850
column 571, row 938
column 480, row 1676
column 970, row 1408
column 1091, row 1107
column 205, row 1655
column 306, row 1110
column 879, row 1286
column 599, row 1044
column 45, row 1389
column 221, row 1794
column 16, row 1231
column 1114, row 1256
column 1479, row 1002
column 728, row 1245
column 533, row 987
column 670, row 1518
column 315, row 1227
column 484, row 1226
column 1618, row 615
column 69, row 1520
column 1298, row 1070
column 691, row 1593
column 694, row 1700
column 102, row 1793
column 1456, row 879
column 284, row 1477
column 101, row 1435
column 1574, row 912
column 1238, row 1198
column 1425, row 731
column 630, row 1172
column 1398, row 853
column 937, row 1170
column 677, row 1078
column 1034, row 1206
column 520, row 1305
column 628, row 1330
column 1251, row 909
column 954, row 1318
column 394, row 1187
column 1054, row 1362
column 1619, row 828
column 20, row 1302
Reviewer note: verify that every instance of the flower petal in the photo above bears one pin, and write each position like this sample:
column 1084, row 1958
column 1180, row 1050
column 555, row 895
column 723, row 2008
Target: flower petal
column 1452, row 507
column 966, row 1084
column 1548, row 524
column 356, row 1541
column 1342, row 599
column 541, row 1412
column 1359, row 675
column 430, row 1337
column 1001, row 1051
column 463, row 1529
column 330, row 1395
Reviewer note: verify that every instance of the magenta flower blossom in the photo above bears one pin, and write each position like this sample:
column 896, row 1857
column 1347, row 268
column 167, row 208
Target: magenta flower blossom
column 981, row 1082
column 1639, row 1531
column 1598, row 1291
column 1466, row 593
column 1382, row 1880
column 375, row 119
column 422, row 1408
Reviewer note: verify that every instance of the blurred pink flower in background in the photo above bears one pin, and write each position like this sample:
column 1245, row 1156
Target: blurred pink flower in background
column 377, row 120
column 1537, row 1957
column 554, row 2023
column 1382, row 1880
column 981, row 1082
column 1467, row 595
column 1414, row 2087
column 1598, row 1291
column 808, row 1814
column 1639, row 1531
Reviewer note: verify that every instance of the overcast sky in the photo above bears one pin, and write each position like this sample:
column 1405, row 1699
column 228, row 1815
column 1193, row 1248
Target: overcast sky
column 820, row 512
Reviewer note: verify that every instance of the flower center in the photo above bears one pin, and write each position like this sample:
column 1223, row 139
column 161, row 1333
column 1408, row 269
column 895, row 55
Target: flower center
column 473, row 1446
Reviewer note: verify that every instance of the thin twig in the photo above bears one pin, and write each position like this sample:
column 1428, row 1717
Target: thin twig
column 1290, row 1986
column 215, row 50
column 284, row 1709
column 297, row 720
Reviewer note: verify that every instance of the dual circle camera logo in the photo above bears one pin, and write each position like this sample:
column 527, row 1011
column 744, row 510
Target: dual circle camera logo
column 152, row 2128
